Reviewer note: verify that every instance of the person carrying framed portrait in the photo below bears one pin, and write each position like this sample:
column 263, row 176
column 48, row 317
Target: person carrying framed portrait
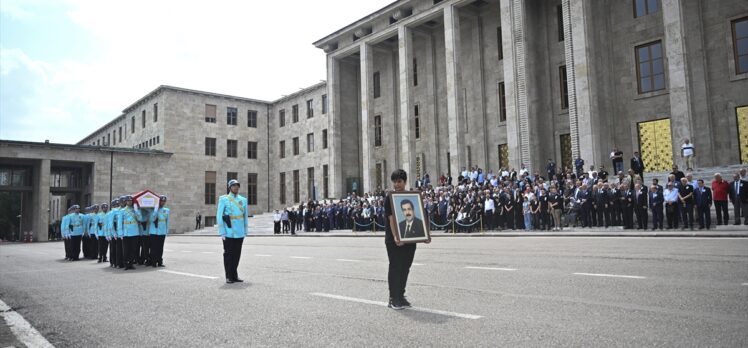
column 406, row 226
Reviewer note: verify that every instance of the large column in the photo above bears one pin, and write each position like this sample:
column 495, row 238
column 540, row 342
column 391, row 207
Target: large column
column 367, row 110
column 515, row 82
column 40, row 202
column 455, row 119
column 678, row 79
column 334, row 126
column 582, row 100
column 405, row 56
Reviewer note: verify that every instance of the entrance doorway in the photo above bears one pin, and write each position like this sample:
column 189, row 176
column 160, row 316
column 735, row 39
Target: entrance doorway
column 655, row 145
column 742, row 115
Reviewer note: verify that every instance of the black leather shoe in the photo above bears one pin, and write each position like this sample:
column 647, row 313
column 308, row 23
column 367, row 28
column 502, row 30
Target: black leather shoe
column 229, row 281
column 238, row 280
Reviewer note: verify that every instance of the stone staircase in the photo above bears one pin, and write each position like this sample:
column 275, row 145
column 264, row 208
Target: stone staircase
column 707, row 174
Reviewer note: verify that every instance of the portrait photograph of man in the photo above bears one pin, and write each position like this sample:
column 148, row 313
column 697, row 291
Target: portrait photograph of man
column 409, row 215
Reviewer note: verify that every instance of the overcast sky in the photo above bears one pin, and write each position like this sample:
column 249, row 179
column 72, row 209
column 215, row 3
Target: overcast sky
column 67, row 67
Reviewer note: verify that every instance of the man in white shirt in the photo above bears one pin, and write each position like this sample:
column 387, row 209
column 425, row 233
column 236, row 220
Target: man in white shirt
column 687, row 151
column 276, row 222
column 488, row 210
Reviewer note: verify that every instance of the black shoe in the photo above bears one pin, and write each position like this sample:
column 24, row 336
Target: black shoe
column 129, row 267
column 153, row 265
column 404, row 302
column 395, row 304
column 161, row 265
column 229, row 281
column 237, row 280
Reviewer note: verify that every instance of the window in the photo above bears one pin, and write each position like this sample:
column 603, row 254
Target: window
column 325, row 181
column 132, row 126
column 295, row 113
column 155, row 112
column 296, row 186
column 502, row 102
column 252, row 118
column 415, row 72
column 210, row 146
column 210, row 113
column 295, row 146
column 231, row 148
column 158, row 139
column 378, row 173
column 108, row 139
column 282, row 188
column 499, row 43
column 119, row 139
column 310, row 142
column 309, row 108
column 560, row 22
column 644, row 7
column 143, row 118
column 251, row 188
column 324, row 138
column 231, row 116
column 564, row 87
column 210, row 187
column 650, row 67
column 417, row 122
column 378, row 130
column 740, row 44
column 282, row 149
column 114, row 137
column 252, row 150
column 375, row 79
column 324, row 104
column 282, row 117
column 310, row 194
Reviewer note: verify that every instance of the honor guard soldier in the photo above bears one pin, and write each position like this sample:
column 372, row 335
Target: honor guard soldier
column 92, row 221
column 75, row 228
column 143, row 250
column 129, row 219
column 101, row 232
column 232, row 226
column 115, row 242
column 158, row 229
column 65, row 232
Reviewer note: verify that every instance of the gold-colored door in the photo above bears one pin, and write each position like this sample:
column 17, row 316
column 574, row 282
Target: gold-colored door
column 566, row 160
column 742, row 113
column 503, row 156
column 656, row 146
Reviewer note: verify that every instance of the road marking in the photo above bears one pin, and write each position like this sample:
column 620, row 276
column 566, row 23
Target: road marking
column 22, row 329
column 169, row 250
column 347, row 260
column 263, row 255
column 384, row 304
column 186, row 251
column 188, row 274
column 611, row 275
column 492, row 268
column 300, row 257
column 744, row 284
column 417, row 264
column 207, row 252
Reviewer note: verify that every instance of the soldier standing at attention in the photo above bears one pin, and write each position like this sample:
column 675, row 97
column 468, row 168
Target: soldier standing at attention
column 115, row 245
column 75, row 228
column 101, row 232
column 65, row 232
column 129, row 220
column 158, row 230
column 232, row 227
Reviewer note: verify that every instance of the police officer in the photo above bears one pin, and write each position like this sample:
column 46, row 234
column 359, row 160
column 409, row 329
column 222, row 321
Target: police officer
column 144, row 241
column 232, row 227
column 129, row 221
column 101, row 232
column 91, row 243
column 65, row 232
column 158, row 229
column 75, row 228
column 115, row 242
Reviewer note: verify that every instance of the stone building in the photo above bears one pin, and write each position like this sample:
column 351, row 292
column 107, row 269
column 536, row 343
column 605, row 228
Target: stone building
column 433, row 86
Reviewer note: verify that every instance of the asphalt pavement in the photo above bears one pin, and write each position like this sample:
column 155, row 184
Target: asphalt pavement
column 467, row 292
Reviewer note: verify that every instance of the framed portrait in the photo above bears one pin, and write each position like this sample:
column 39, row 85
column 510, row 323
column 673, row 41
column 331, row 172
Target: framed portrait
column 411, row 221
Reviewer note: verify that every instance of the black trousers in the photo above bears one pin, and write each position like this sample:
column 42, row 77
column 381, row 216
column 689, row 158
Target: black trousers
column 130, row 250
column 672, row 212
column 232, row 252
column 75, row 247
column 686, row 214
column 67, row 244
column 641, row 217
column 120, row 251
column 276, row 227
column 401, row 258
column 103, row 246
column 113, row 252
column 705, row 218
column 509, row 219
column 488, row 220
column 628, row 217
column 144, row 248
column 657, row 217
column 157, row 249
column 722, row 214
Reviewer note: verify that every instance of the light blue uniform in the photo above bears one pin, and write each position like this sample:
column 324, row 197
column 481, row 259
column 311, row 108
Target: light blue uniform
column 234, row 206
column 112, row 217
column 129, row 222
column 77, row 221
column 162, row 214
column 65, row 227
column 101, row 224
column 91, row 220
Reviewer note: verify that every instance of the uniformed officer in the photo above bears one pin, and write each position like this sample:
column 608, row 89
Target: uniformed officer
column 90, row 242
column 144, row 240
column 158, row 229
column 113, row 227
column 101, row 232
column 232, row 227
column 129, row 219
column 75, row 228
column 65, row 232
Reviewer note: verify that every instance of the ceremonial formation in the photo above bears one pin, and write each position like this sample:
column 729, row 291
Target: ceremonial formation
column 129, row 234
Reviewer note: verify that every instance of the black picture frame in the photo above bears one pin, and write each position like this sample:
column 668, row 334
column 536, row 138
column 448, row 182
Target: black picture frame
column 419, row 231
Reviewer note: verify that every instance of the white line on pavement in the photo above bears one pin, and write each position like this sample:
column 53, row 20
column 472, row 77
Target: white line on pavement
column 611, row 275
column 492, row 268
column 384, row 304
column 347, row 260
column 23, row 330
column 417, row 264
column 744, row 284
column 188, row 274
column 186, row 251
column 207, row 252
column 168, row 250
column 300, row 257
column 263, row 255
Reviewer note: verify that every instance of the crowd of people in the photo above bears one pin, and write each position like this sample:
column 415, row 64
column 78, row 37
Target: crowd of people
column 128, row 234
column 481, row 200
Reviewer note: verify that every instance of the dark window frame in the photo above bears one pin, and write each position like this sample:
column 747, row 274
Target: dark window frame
column 377, row 130
column 208, row 118
column 324, row 138
column 310, row 108
column 735, row 40
column 502, row 102
column 252, row 118
column 646, row 9
column 376, row 82
column 251, row 150
column 232, row 113
column 295, row 145
column 650, row 65
column 295, row 113
column 564, row 85
column 210, row 146
column 282, row 118
column 252, row 188
column 232, row 147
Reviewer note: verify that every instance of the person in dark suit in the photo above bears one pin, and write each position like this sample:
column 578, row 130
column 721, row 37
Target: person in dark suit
column 656, row 199
column 704, row 205
column 411, row 227
column 640, row 206
column 637, row 165
column 685, row 194
column 738, row 194
column 627, row 206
